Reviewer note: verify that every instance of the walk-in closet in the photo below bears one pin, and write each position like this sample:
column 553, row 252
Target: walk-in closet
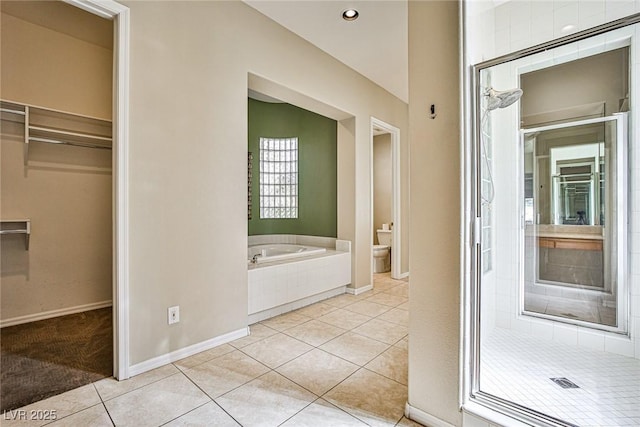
column 55, row 200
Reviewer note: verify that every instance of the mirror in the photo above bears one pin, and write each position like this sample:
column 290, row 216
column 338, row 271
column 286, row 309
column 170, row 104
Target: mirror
column 569, row 189
column 577, row 184
column 570, row 175
column 572, row 193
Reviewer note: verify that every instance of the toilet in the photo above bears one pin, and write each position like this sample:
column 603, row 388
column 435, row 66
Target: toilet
column 381, row 252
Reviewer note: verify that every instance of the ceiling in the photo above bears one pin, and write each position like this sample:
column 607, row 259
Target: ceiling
column 375, row 45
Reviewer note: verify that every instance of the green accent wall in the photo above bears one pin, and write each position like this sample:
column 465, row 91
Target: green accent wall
column 317, row 168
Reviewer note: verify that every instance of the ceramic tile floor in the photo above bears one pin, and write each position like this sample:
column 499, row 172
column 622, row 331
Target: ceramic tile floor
column 519, row 368
column 339, row 362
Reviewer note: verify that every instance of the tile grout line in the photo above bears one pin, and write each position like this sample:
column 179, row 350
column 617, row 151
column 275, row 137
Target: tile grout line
column 284, row 332
column 359, row 367
column 139, row 387
column 103, row 404
column 328, row 391
column 188, row 412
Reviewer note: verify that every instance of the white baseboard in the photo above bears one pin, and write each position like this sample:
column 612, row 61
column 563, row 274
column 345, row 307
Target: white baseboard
column 53, row 313
column 360, row 290
column 165, row 359
column 404, row 275
column 423, row 418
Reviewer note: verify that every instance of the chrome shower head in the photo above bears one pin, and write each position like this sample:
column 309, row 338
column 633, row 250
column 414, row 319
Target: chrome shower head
column 501, row 98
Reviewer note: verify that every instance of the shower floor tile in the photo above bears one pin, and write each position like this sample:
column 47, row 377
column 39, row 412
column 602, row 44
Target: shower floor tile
column 519, row 368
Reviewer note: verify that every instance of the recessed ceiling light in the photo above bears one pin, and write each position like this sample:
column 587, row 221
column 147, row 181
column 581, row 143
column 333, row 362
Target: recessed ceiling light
column 350, row 15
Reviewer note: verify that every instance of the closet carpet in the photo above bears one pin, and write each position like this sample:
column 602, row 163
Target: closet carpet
column 48, row 357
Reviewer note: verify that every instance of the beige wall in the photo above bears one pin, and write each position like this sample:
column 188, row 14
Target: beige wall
column 602, row 78
column 188, row 111
column 44, row 67
column 65, row 191
column 434, row 294
column 382, row 183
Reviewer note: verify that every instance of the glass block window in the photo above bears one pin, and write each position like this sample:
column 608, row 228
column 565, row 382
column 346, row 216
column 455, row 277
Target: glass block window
column 278, row 177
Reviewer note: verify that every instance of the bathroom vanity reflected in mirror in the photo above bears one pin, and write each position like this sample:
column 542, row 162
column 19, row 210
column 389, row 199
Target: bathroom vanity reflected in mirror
column 571, row 188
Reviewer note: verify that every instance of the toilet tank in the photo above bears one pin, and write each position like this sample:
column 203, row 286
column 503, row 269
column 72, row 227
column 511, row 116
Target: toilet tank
column 384, row 237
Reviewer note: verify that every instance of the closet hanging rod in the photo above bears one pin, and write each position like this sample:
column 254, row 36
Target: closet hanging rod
column 8, row 110
column 68, row 133
column 75, row 144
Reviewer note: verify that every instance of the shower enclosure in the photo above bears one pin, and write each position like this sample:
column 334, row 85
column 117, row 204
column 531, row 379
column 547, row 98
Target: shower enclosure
column 549, row 298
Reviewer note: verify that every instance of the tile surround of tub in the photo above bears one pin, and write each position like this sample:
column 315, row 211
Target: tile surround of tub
column 288, row 370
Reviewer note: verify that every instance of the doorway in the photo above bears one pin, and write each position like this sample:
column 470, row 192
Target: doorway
column 57, row 197
column 118, row 15
column 378, row 128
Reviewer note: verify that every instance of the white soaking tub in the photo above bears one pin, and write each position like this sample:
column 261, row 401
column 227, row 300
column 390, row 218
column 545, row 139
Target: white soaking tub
column 288, row 276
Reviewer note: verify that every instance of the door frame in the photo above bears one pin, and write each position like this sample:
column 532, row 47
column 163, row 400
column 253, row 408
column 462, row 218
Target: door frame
column 119, row 14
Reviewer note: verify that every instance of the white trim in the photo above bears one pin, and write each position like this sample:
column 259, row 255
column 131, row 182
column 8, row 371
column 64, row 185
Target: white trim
column 360, row 290
column 167, row 358
column 396, row 196
column 107, row 9
column 422, row 417
column 403, row 275
column 53, row 313
column 121, row 197
column 120, row 15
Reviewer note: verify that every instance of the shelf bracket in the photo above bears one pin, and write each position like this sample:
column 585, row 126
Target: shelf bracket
column 17, row 226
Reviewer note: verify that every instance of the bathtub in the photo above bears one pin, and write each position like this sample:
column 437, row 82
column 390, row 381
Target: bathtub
column 280, row 251
column 293, row 272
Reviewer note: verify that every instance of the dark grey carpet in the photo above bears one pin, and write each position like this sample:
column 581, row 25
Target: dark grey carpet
column 48, row 357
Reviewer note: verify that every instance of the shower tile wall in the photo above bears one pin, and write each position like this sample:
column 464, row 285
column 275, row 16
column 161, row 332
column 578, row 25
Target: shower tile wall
column 493, row 31
column 511, row 26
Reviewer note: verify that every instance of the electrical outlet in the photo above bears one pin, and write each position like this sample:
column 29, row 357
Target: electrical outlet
column 174, row 314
